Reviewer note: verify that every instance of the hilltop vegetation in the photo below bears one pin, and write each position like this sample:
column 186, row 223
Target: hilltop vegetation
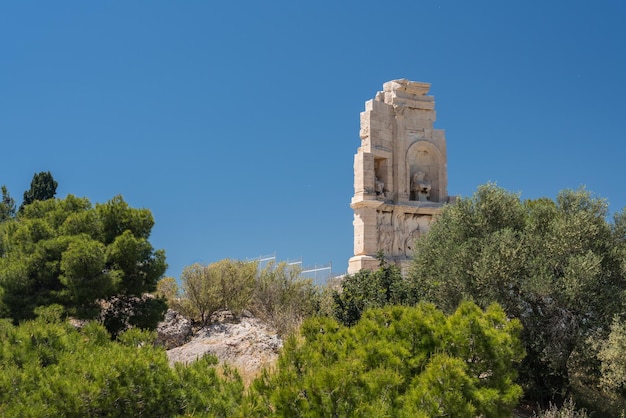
column 84, row 258
column 507, row 300
column 398, row 361
column 557, row 266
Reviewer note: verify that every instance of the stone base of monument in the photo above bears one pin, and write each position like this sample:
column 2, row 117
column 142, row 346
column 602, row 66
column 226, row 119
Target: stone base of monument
column 360, row 262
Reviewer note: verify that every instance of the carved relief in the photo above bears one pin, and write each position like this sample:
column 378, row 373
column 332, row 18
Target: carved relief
column 419, row 225
column 398, row 241
column 397, row 232
column 385, row 232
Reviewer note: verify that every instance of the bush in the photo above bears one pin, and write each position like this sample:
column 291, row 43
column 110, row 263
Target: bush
column 397, row 361
column 568, row 410
column 370, row 289
column 48, row 368
column 226, row 284
column 281, row 298
column 276, row 294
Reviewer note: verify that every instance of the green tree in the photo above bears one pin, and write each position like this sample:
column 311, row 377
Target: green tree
column 398, row 361
column 205, row 392
column 7, row 206
column 557, row 266
column 42, row 187
column 65, row 251
column 370, row 289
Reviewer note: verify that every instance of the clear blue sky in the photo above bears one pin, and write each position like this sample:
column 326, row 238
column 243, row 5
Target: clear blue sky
column 236, row 123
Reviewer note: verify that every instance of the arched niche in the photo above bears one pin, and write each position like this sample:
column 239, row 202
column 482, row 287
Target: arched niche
column 422, row 156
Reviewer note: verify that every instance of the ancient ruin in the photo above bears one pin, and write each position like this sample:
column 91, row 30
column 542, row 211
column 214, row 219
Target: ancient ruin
column 400, row 174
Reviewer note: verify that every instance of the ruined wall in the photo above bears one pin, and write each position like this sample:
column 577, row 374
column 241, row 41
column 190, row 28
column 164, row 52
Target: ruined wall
column 400, row 174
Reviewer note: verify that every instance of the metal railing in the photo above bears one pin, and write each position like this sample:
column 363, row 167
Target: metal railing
column 320, row 274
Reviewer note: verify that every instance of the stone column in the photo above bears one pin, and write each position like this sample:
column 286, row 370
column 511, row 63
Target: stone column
column 365, row 235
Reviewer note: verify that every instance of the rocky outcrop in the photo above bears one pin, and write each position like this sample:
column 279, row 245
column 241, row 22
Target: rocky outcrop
column 174, row 331
column 245, row 343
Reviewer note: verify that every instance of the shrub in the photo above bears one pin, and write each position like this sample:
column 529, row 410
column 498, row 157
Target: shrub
column 281, row 298
column 48, row 368
column 397, row 361
column 370, row 289
column 226, row 284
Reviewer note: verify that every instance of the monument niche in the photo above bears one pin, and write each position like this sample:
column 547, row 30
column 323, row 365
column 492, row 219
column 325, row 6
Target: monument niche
column 400, row 174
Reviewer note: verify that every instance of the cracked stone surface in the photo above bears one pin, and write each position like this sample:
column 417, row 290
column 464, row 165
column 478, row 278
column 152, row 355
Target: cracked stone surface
column 247, row 344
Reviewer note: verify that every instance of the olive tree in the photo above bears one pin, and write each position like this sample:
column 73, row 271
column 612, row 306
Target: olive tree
column 558, row 266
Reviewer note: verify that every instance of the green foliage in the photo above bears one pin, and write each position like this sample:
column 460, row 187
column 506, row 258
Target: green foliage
column 42, row 187
column 198, row 300
column 7, row 206
column 398, row 361
column 235, row 283
column 568, row 410
column 65, row 251
column 370, row 289
column 275, row 294
column 82, row 266
column 226, row 284
column 167, row 288
column 556, row 266
column 120, row 313
column 207, row 393
column 612, row 354
column 281, row 298
column 443, row 388
column 51, row 369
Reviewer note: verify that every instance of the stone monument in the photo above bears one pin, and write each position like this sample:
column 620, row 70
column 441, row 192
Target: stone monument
column 400, row 174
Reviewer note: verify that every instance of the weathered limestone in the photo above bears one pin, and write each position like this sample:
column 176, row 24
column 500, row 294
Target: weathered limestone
column 400, row 174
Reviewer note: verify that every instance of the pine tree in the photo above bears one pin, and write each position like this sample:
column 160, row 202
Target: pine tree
column 42, row 187
column 7, row 205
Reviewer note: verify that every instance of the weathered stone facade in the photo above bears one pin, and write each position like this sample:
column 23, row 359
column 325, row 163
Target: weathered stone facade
column 400, row 174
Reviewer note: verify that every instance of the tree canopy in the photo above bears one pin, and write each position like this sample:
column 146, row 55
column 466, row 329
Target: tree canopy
column 49, row 368
column 398, row 361
column 370, row 289
column 558, row 266
column 42, row 187
column 68, row 252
